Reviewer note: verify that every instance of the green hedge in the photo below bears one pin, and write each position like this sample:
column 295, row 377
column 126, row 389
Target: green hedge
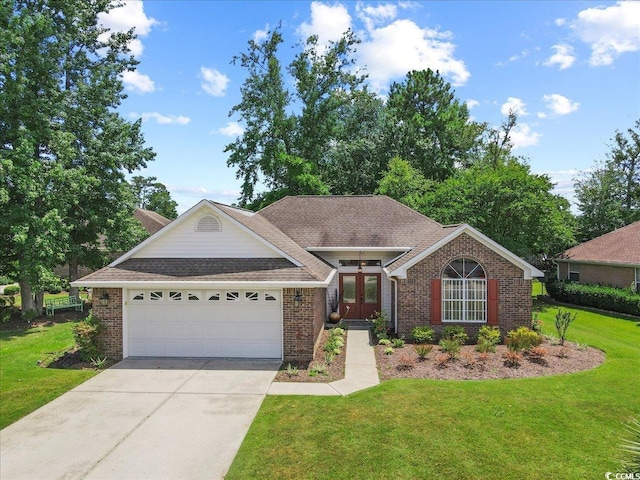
column 596, row 296
column 12, row 290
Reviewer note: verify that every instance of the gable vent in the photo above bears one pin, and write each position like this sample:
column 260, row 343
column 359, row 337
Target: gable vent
column 208, row 223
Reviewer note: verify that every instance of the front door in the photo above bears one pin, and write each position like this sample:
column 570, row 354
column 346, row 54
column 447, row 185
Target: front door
column 360, row 292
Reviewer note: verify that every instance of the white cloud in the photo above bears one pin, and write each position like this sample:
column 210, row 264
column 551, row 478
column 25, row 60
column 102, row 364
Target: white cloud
column 162, row 119
column 472, row 103
column 563, row 57
column 125, row 17
column 514, row 105
column 560, row 105
column 609, row 31
column 233, row 129
column 522, row 136
column 260, row 35
column 328, row 22
column 560, row 21
column 214, row 82
column 138, row 82
column 390, row 52
column 373, row 16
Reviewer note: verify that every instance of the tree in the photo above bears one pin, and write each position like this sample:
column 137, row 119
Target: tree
column 429, row 127
column 405, row 184
column 509, row 204
column 609, row 196
column 64, row 148
column 153, row 195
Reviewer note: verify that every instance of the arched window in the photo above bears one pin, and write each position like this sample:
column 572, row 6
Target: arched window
column 464, row 292
column 208, row 223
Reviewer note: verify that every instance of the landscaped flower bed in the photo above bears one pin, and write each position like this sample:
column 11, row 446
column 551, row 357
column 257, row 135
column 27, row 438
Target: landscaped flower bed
column 327, row 364
column 472, row 365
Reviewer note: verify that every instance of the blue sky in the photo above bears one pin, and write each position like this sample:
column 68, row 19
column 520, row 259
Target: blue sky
column 571, row 69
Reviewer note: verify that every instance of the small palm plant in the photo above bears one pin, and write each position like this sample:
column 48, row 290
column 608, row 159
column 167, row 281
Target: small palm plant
column 631, row 448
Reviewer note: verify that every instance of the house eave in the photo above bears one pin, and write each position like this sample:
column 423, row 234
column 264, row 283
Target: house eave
column 201, row 285
column 594, row 262
column 358, row 249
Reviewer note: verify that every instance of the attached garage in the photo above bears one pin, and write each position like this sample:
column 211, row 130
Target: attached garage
column 203, row 323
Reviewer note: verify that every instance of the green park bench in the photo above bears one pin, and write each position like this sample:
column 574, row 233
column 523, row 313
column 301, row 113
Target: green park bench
column 58, row 303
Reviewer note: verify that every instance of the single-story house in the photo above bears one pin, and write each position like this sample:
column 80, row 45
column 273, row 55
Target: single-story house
column 220, row 281
column 610, row 259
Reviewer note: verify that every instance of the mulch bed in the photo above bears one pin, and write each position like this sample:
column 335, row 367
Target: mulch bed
column 471, row 365
column 335, row 369
column 19, row 323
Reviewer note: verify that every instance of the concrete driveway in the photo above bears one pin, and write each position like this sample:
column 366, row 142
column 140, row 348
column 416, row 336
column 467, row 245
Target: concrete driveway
column 142, row 418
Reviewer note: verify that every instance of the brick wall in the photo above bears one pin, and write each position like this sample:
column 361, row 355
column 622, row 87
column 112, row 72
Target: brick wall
column 302, row 325
column 621, row 277
column 414, row 293
column 111, row 318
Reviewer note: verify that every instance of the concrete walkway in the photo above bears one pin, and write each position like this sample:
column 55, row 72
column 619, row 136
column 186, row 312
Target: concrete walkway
column 360, row 372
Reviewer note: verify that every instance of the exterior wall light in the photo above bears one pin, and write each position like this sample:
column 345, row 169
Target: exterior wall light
column 104, row 299
column 297, row 298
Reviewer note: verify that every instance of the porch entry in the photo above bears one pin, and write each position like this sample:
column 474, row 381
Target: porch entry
column 361, row 293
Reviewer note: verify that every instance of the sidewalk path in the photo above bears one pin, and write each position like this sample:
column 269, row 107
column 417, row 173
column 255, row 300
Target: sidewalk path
column 360, row 372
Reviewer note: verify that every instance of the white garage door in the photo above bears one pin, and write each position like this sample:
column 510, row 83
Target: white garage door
column 204, row 323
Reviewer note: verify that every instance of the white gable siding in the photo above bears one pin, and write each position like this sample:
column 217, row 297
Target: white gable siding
column 185, row 242
column 385, row 284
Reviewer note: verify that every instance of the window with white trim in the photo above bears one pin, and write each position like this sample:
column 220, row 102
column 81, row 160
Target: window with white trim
column 137, row 296
column 573, row 272
column 193, row 296
column 464, row 292
column 214, row 297
column 270, row 297
column 251, row 296
column 155, row 296
column 176, row 296
column 233, row 296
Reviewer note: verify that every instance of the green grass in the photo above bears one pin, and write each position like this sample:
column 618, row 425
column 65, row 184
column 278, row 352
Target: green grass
column 25, row 386
column 562, row 427
column 538, row 288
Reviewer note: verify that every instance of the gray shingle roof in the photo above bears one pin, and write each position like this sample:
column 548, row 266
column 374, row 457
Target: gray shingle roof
column 201, row 269
column 622, row 246
column 151, row 221
column 349, row 221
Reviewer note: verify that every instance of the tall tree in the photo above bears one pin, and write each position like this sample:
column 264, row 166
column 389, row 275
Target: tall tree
column 153, row 195
column 405, row 184
column 63, row 145
column 263, row 110
column 609, row 196
column 429, row 127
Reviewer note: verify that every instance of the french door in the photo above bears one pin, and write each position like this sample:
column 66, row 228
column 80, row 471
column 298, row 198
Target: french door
column 360, row 293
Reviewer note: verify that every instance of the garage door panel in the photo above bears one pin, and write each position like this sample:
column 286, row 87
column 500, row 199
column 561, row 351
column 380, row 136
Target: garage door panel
column 222, row 328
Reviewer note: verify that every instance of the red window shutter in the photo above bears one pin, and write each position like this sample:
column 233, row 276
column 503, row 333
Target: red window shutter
column 492, row 302
column 436, row 301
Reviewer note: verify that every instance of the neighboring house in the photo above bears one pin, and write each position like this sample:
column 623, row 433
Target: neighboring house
column 220, row 281
column 611, row 259
column 151, row 222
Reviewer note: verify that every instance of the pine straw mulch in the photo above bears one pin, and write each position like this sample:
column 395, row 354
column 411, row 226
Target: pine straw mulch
column 335, row 370
column 471, row 365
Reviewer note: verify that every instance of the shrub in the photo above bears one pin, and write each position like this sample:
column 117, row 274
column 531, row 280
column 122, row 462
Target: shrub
column 536, row 324
column 422, row 334
column 563, row 352
column 406, row 361
column 5, row 280
column 384, row 341
column 329, row 357
column 380, row 325
column 388, row 351
column 450, row 347
column 337, row 331
column 99, row 363
column 489, row 334
column 456, row 333
column 563, row 320
column 292, row 370
column 318, row 368
column 484, row 346
column 12, row 290
column 512, row 359
column 54, row 289
column 537, row 354
column 613, row 299
column 86, row 334
column 483, row 358
column 631, row 448
column 397, row 342
column 423, row 350
column 523, row 339
column 334, row 345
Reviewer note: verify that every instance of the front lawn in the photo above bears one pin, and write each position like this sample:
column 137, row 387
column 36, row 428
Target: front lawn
column 24, row 385
column 562, row 427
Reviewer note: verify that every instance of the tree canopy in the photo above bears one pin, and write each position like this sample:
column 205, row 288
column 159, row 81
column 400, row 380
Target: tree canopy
column 64, row 147
column 153, row 195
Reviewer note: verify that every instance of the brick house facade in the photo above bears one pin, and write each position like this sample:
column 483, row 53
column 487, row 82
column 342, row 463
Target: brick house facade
column 415, row 292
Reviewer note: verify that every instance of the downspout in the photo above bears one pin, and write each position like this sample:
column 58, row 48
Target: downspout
column 395, row 303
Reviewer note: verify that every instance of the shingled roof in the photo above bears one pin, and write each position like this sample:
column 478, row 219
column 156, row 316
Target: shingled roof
column 150, row 220
column 621, row 247
column 350, row 221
